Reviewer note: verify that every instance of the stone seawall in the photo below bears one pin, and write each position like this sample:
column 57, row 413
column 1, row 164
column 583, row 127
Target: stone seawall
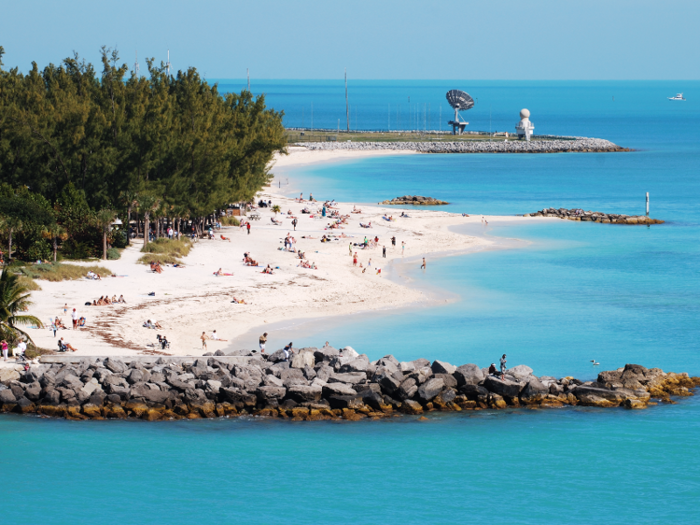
column 511, row 146
column 594, row 216
column 315, row 384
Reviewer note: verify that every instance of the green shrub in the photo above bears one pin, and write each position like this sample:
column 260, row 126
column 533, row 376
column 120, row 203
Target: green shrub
column 61, row 272
column 40, row 251
column 230, row 221
column 113, row 254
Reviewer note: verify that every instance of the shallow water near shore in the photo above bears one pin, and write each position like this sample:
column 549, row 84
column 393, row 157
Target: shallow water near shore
column 574, row 292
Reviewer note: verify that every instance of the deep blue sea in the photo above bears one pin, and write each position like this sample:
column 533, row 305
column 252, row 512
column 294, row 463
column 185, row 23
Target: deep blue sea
column 571, row 293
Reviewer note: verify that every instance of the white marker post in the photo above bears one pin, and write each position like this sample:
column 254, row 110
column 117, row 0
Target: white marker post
column 647, row 204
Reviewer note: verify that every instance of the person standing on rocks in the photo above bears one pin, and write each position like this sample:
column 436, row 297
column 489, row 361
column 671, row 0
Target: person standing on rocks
column 503, row 367
column 286, row 351
column 262, row 341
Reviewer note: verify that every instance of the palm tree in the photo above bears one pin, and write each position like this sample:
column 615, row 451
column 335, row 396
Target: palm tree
column 147, row 205
column 55, row 232
column 276, row 208
column 105, row 218
column 14, row 299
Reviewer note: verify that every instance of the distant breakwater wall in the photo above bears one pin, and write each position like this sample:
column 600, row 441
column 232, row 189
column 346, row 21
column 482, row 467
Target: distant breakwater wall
column 511, row 146
column 594, row 216
column 317, row 383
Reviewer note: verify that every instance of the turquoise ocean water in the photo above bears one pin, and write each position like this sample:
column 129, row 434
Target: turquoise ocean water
column 574, row 292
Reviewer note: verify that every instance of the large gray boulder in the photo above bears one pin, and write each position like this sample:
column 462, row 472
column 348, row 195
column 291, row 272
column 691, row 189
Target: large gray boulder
column 33, row 391
column 326, row 354
column 350, row 378
column 358, row 364
column 407, row 389
column 338, row 389
column 7, row 397
column 135, row 376
column 469, row 374
column 305, row 394
column 116, row 366
column 503, row 388
column 449, row 379
column 442, row 367
column 534, row 392
column 521, row 372
column 266, row 394
column 303, row 359
column 422, row 374
column 389, row 384
column 340, row 402
column 430, row 389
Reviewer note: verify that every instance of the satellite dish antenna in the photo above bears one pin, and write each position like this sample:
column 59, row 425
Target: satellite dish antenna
column 460, row 101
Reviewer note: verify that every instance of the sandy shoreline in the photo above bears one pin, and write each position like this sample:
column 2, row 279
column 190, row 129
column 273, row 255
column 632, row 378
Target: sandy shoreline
column 191, row 300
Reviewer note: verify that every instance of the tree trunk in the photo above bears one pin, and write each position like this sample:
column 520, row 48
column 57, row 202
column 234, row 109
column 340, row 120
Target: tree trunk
column 145, row 228
column 128, row 225
column 55, row 248
column 9, row 248
column 104, row 244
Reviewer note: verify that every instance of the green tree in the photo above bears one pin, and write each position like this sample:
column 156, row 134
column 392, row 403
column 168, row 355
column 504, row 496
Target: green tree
column 14, row 299
column 105, row 218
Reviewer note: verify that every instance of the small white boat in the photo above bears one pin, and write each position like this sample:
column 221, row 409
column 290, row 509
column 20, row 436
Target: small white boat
column 679, row 96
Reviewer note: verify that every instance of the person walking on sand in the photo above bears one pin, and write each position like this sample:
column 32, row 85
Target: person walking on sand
column 503, row 367
column 350, row 249
column 403, row 247
column 422, row 266
column 393, row 241
column 204, row 338
column 354, row 259
column 65, row 309
column 5, row 348
column 294, row 223
column 75, row 317
column 384, row 251
column 262, row 341
column 248, row 227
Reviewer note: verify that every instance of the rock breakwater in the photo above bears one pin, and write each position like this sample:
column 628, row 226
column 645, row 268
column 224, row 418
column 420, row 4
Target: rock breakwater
column 512, row 146
column 317, row 383
column 414, row 200
column 594, row 216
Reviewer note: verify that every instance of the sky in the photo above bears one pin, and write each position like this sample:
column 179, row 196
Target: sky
column 373, row 39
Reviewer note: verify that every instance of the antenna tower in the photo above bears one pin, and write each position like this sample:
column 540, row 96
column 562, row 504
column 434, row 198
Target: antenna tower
column 247, row 72
column 136, row 64
column 347, row 107
column 167, row 64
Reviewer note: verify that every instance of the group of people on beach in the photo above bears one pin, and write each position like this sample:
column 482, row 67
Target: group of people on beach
column 105, row 300
column 18, row 351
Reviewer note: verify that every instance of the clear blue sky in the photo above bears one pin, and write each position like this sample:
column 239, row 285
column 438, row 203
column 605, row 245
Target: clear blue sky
column 374, row 39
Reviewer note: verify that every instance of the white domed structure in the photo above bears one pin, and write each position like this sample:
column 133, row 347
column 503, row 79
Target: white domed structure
column 525, row 128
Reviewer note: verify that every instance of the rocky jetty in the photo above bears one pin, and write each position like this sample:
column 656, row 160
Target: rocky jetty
column 317, row 383
column 574, row 144
column 414, row 200
column 594, row 216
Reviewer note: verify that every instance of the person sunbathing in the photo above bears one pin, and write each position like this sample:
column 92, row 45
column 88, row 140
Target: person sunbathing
column 218, row 272
column 101, row 301
column 157, row 326
column 114, row 299
column 355, row 209
column 81, row 321
column 306, row 210
column 238, row 301
column 59, row 323
column 121, row 299
column 215, row 337
column 225, row 238
column 275, row 221
column 94, row 302
column 65, row 346
column 157, row 268
column 368, row 225
column 149, row 324
column 268, row 270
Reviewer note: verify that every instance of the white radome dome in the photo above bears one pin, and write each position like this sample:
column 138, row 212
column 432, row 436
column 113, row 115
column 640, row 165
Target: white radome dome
column 524, row 113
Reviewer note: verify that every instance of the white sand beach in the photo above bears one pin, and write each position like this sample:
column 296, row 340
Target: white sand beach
column 192, row 300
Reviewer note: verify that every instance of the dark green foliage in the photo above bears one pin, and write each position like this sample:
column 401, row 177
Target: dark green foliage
column 113, row 254
column 82, row 140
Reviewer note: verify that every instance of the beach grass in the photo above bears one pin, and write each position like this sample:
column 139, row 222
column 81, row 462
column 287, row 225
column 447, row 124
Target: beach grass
column 55, row 272
column 29, row 283
column 165, row 251
column 230, row 221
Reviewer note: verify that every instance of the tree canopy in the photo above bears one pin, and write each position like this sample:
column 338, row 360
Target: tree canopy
column 115, row 137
